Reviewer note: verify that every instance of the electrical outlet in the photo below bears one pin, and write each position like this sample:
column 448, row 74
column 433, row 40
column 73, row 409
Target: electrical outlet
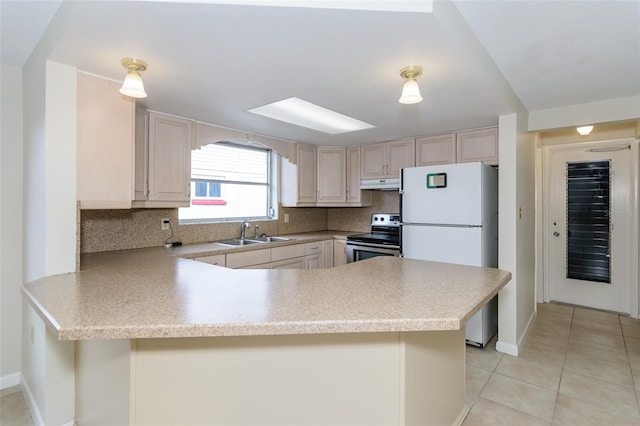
column 286, row 218
column 165, row 224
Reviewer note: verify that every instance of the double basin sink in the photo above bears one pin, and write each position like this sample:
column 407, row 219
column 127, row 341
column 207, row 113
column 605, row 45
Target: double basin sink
column 256, row 240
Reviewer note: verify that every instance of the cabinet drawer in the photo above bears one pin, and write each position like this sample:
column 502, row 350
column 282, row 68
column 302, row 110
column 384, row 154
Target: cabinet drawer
column 314, row 248
column 287, row 252
column 248, row 258
column 217, row 259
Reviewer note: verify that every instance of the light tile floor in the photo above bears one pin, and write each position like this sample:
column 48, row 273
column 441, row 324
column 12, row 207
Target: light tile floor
column 13, row 408
column 577, row 367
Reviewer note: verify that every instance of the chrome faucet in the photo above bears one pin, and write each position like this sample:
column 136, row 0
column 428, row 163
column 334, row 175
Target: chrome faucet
column 244, row 227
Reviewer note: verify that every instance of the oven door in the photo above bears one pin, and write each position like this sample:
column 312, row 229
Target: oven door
column 362, row 251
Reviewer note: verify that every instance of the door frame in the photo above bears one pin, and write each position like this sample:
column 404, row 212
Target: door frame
column 543, row 206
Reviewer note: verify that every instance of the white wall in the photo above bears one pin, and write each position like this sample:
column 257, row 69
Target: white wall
column 10, row 225
column 50, row 229
column 516, row 242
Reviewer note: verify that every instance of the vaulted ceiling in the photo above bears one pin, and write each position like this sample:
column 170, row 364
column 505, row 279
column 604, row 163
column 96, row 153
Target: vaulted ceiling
column 213, row 61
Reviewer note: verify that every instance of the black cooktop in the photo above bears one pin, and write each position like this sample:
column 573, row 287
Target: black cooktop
column 376, row 238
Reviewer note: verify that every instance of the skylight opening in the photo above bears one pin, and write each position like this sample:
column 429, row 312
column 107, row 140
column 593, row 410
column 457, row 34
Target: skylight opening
column 305, row 114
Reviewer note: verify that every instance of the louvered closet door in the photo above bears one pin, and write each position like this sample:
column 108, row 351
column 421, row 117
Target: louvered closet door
column 589, row 227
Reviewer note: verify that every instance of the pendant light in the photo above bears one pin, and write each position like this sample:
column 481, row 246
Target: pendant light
column 132, row 85
column 410, row 90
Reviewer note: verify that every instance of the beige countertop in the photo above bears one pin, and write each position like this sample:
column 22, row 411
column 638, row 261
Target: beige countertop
column 156, row 292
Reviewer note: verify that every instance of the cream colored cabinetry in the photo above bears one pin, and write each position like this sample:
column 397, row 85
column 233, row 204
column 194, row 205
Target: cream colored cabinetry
column 313, row 253
column 355, row 196
column 298, row 181
column 216, row 259
column 327, row 254
column 169, row 161
column 478, row 145
column 141, row 158
column 339, row 252
column 105, row 144
column 384, row 160
column 332, row 169
column 434, row 150
column 296, row 263
column 288, row 252
column 249, row 258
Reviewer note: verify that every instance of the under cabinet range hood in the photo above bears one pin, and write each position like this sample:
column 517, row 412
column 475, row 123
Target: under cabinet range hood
column 384, row 184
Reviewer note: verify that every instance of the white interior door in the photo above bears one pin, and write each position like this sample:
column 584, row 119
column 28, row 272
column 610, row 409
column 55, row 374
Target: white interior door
column 588, row 241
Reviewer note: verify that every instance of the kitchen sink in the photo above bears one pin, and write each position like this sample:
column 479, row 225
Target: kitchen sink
column 269, row 239
column 237, row 242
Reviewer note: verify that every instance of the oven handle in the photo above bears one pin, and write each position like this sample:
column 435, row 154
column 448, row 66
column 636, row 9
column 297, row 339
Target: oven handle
column 372, row 245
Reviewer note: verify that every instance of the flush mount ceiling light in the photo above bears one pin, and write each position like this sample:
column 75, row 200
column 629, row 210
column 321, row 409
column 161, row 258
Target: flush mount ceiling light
column 584, row 130
column 305, row 114
column 133, row 85
column 410, row 90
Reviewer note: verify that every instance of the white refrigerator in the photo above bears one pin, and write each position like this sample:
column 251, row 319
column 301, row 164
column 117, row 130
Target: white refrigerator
column 449, row 213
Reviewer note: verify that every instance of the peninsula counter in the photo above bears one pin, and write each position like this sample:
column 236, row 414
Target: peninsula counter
column 166, row 340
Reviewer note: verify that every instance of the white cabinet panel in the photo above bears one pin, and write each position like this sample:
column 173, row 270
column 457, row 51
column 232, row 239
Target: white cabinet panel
column 248, row 258
column 169, row 158
column 384, row 160
column 436, row 150
column 216, row 259
column 298, row 180
column 105, row 144
column 331, row 175
column 478, row 145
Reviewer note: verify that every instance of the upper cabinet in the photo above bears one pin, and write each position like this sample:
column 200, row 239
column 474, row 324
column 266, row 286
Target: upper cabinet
column 478, row 145
column 332, row 187
column 169, row 161
column 323, row 177
column 460, row 147
column 105, row 144
column 298, row 180
column 384, row 160
column 126, row 156
column 436, row 150
column 355, row 196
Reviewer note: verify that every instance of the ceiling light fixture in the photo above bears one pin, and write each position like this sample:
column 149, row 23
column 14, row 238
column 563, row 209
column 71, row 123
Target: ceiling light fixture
column 584, row 130
column 305, row 114
column 132, row 85
column 410, row 90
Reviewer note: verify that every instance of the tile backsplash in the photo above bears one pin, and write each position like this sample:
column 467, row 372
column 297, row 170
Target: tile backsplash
column 107, row 230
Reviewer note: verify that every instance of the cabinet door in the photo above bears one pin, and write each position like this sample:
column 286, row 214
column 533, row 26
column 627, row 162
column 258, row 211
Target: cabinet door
column 332, row 169
column 169, row 158
column 400, row 154
column 306, row 173
column 478, row 145
column 105, row 149
column 314, row 261
column 248, row 258
column 141, row 172
column 327, row 254
column 372, row 161
column 296, row 263
column 436, row 150
column 216, row 259
column 339, row 252
column 354, row 195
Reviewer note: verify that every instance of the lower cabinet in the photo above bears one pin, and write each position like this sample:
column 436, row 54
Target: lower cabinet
column 339, row 252
column 297, row 263
column 314, row 255
column 217, row 259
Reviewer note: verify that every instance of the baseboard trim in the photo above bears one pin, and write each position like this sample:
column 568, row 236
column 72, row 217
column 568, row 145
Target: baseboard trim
column 462, row 415
column 513, row 350
column 31, row 402
column 9, row 380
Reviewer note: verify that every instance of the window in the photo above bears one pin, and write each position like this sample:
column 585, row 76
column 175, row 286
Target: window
column 228, row 182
